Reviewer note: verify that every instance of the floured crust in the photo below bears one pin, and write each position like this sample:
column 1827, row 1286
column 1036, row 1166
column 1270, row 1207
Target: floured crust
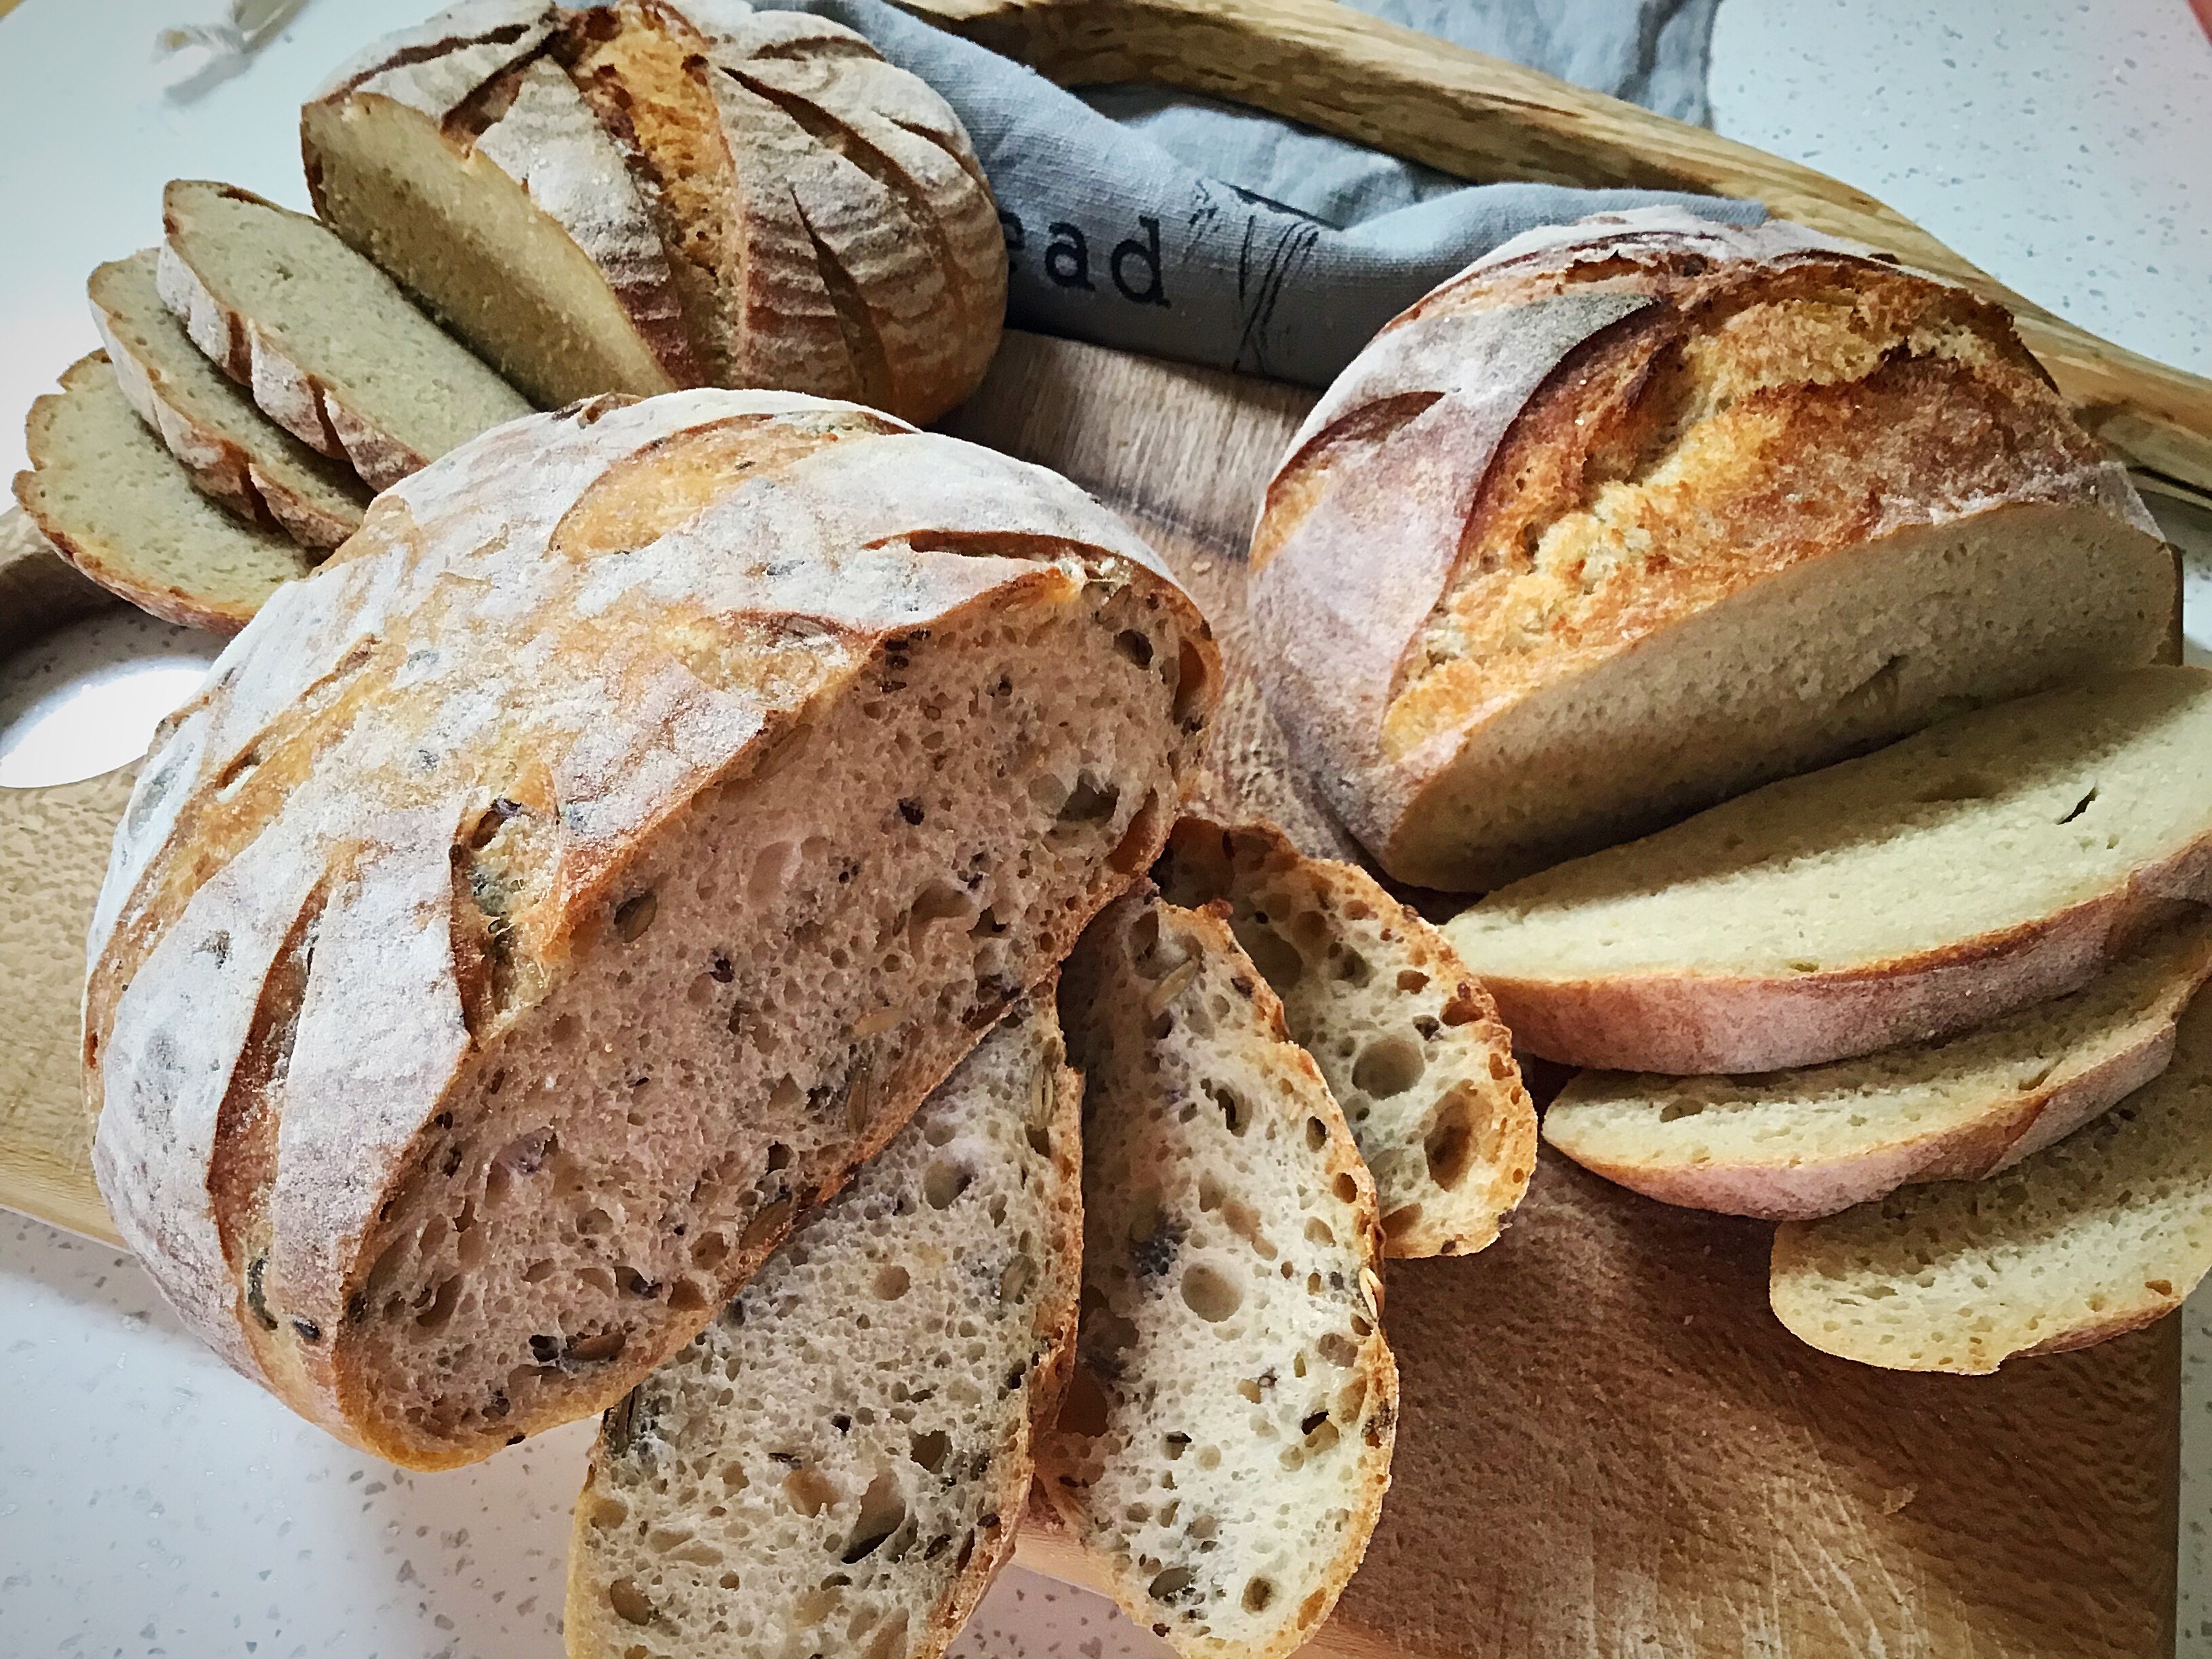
column 540, row 637
column 1603, row 432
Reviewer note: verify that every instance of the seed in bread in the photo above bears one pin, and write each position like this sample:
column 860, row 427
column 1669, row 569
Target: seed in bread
column 1798, row 1145
column 1989, row 862
column 559, row 895
column 1409, row 1044
column 839, row 1462
column 2102, row 1234
column 1226, row 1441
column 1637, row 513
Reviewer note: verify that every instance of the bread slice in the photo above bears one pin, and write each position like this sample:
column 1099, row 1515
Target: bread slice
column 1998, row 859
column 1226, row 1441
column 121, row 508
column 460, row 157
column 839, row 1463
column 565, row 890
column 331, row 349
column 2098, row 1236
column 1636, row 513
column 1798, row 1145
column 232, row 452
column 1411, row 1047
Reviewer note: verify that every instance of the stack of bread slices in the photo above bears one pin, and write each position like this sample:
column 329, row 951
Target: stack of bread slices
column 1703, row 508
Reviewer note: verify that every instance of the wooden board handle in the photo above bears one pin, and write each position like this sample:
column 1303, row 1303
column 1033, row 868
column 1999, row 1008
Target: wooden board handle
column 1486, row 119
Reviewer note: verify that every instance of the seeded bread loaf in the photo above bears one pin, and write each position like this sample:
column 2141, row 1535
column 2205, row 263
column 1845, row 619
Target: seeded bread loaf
column 838, row 1463
column 1225, row 1444
column 1410, row 1046
column 1991, row 861
column 1636, row 513
column 229, row 448
column 2102, row 1234
column 331, row 350
column 549, row 901
column 746, row 198
column 117, row 505
column 1799, row 1144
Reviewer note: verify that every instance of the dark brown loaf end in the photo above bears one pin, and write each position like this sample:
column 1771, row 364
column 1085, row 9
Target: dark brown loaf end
column 587, row 868
column 1639, row 512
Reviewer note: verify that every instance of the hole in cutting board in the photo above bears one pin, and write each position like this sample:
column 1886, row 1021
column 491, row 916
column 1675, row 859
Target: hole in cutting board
column 86, row 699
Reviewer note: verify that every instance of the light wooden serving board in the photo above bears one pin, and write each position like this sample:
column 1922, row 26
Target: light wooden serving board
column 1609, row 1447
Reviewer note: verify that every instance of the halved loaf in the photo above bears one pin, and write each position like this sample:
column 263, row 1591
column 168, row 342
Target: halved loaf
column 550, row 901
column 330, row 349
column 121, row 508
column 1991, row 861
column 838, row 1463
column 1408, row 1043
column 230, row 449
column 1226, row 1441
column 2099, row 1235
column 1636, row 513
column 1798, row 1145
column 460, row 157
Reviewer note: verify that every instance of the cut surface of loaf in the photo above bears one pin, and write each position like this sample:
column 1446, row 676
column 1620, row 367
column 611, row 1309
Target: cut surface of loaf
column 1226, row 1440
column 230, row 449
column 1800, row 1145
column 1410, row 1046
column 748, row 198
column 1648, row 510
column 607, row 850
column 108, row 495
column 332, row 351
column 839, row 1462
column 1998, row 859
column 2099, row 1235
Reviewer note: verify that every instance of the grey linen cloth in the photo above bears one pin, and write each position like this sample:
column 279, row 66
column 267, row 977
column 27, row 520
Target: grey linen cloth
column 1159, row 223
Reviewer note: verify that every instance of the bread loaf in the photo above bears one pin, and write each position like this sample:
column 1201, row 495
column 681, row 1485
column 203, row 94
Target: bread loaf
column 1993, row 860
column 1799, row 1144
column 2102, row 1234
column 1410, row 1046
column 1226, row 1443
column 838, row 1462
column 1636, row 513
column 665, row 191
column 549, row 902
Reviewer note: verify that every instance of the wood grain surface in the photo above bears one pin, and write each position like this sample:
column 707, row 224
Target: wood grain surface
column 1483, row 119
column 1609, row 1446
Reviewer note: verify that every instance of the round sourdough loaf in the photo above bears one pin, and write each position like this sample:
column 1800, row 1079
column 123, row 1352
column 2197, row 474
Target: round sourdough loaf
column 1637, row 512
column 654, row 194
column 549, row 902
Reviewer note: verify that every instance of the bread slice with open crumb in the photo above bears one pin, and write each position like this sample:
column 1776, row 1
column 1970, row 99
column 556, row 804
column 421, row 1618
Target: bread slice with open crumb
column 1409, row 1044
column 839, row 1463
column 2102, row 1234
column 1225, row 1446
column 1799, row 1144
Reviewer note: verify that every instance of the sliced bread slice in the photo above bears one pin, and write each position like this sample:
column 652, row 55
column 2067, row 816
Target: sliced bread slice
column 839, row 1463
column 2098, row 1236
column 1409, row 1044
column 1227, row 1442
column 2000, row 858
column 332, row 350
column 229, row 448
column 121, row 508
column 1799, row 1144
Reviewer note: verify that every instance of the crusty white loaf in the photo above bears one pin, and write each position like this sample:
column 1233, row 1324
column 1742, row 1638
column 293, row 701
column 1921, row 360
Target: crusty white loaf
column 839, row 1460
column 1635, row 514
column 545, row 904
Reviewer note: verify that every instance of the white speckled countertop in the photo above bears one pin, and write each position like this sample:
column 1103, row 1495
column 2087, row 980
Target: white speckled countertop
column 152, row 1502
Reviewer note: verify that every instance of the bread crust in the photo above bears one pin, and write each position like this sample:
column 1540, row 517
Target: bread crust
column 1403, row 592
column 241, row 789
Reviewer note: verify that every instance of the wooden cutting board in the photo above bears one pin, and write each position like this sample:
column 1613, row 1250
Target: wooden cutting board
column 1609, row 1447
